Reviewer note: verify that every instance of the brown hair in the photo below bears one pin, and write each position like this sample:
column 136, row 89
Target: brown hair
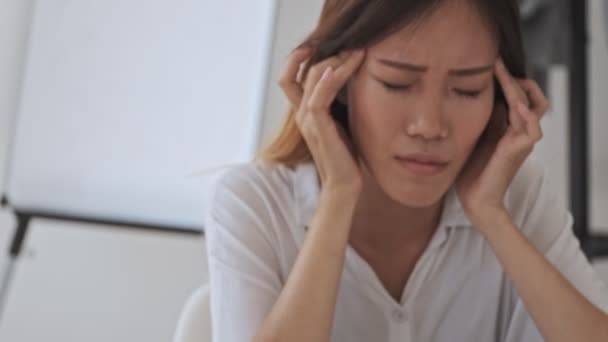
column 353, row 24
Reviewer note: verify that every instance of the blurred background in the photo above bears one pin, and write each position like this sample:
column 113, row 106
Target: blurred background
column 110, row 110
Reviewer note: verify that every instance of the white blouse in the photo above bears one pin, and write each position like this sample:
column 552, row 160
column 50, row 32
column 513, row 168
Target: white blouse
column 458, row 291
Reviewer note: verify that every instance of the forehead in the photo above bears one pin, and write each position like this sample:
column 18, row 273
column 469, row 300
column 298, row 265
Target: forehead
column 455, row 33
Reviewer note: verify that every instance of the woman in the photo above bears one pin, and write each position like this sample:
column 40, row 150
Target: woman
column 395, row 204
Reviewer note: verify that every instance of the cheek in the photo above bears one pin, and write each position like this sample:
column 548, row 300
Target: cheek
column 468, row 127
column 373, row 120
column 476, row 112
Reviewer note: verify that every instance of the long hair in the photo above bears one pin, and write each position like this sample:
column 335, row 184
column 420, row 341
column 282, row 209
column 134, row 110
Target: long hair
column 353, row 24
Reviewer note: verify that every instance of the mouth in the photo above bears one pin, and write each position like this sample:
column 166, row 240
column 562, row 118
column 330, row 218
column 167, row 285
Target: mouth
column 422, row 165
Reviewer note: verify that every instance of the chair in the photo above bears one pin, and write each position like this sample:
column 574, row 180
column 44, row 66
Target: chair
column 194, row 324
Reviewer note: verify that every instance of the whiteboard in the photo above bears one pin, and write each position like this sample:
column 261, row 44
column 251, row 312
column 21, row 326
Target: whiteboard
column 124, row 100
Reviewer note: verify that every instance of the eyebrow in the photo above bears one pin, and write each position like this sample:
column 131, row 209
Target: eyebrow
column 419, row 68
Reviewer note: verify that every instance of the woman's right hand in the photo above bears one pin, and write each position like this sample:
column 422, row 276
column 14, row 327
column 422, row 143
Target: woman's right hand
column 330, row 147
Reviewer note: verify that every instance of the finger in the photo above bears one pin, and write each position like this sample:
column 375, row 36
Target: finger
column 511, row 88
column 533, row 128
column 289, row 79
column 332, row 81
column 321, row 96
column 317, row 127
column 312, row 79
column 305, row 52
column 350, row 66
column 329, row 133
column 317, row 70
column 538, row 101
column 314, row 75
column 326, row 132
column 513, row 93
column 515, row 119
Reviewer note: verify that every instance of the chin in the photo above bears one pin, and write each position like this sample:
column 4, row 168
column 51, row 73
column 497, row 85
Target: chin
column 414, row 196
column 414, row 193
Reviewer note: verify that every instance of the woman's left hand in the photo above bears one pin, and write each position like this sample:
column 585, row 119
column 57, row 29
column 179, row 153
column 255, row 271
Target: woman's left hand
column 485, row 178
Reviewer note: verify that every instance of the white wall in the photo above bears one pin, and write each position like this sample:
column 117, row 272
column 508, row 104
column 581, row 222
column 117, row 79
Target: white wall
column 296, row 19
column 78, row 282
column 14, row 27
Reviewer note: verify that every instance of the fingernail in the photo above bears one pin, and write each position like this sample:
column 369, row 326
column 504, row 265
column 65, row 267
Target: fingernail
column 327, row 73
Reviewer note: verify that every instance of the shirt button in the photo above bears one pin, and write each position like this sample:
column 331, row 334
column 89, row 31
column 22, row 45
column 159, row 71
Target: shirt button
column 399, row 316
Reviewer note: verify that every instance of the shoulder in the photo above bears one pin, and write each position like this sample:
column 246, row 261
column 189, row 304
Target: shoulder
column 254, row 181
column 257, row 173
column 249, row 207
column 258, row 185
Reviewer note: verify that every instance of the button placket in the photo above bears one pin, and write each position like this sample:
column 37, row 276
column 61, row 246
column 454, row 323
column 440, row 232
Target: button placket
column 400, row 327
column 399, row 315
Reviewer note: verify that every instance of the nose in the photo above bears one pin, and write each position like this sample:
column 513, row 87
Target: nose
column 426, row 119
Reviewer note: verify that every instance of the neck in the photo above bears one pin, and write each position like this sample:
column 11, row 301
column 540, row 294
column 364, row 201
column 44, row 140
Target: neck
column 382, row 224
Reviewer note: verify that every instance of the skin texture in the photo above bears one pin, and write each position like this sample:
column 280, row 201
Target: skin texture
column 433, row 115
column 440, row 112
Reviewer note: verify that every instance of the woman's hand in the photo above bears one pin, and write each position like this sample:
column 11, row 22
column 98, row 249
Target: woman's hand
column 487, row 175
column 305, row 308
column 331, row 150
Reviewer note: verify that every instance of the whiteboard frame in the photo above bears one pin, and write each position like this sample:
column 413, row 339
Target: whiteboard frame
column 28, row 213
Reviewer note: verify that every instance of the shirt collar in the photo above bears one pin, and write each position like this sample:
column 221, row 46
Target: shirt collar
column 307, row 192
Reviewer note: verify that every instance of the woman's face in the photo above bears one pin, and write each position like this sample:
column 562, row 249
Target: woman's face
column 425, row 92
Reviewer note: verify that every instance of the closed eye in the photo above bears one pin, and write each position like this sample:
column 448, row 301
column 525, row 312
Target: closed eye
column 470, row 94
column 396, row 87
column 391, row 87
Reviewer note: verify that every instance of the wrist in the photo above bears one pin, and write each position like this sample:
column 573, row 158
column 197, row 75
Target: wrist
column 493, row 222
column 340, row 196
column 337, row 206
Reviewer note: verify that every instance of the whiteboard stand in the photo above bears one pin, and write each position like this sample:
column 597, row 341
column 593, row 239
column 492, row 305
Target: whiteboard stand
column 13, row 255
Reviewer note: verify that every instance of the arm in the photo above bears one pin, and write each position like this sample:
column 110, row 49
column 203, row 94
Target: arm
column 305, row 308
column 244, row 268
column 560, row 311
column 248, row 298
